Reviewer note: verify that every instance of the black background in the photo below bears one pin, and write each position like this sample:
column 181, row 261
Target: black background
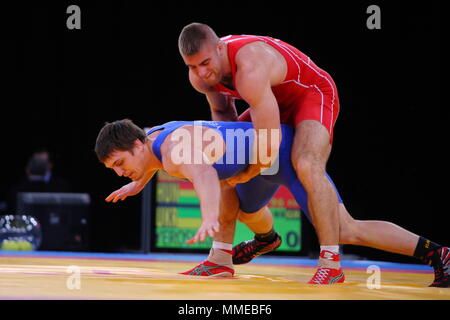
column 62, row 85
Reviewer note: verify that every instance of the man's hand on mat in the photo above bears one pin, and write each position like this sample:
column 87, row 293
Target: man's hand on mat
column 208, row 228
column 127, row 190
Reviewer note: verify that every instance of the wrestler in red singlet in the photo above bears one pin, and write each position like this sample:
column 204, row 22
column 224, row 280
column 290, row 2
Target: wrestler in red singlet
column 307, row 92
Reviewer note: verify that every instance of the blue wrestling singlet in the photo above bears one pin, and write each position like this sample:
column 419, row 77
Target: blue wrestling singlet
column 237, row 155
column 257, row 192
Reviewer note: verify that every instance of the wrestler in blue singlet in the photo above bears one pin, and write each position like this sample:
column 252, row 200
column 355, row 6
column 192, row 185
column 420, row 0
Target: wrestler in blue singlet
column 256, row 193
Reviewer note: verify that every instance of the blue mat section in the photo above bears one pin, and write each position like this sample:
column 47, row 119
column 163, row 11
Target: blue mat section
column 200, row 257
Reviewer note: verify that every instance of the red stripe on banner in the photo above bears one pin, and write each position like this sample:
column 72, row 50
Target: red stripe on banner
column 283, row 199
column 187, row 185
column 182, row 184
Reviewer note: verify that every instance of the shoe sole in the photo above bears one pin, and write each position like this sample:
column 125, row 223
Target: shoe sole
column 238, row 262
column 326, row 284
column 220, row 274
column 439, row 286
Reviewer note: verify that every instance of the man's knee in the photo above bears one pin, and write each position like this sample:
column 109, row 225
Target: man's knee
column 308, row 166
column 261, row 215
column 248, row 217
column 311, row 148
column 228, row 216
column 259, row 222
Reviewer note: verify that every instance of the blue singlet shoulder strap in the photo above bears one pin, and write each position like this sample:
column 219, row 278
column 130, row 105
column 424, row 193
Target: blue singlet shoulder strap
column 167, row 128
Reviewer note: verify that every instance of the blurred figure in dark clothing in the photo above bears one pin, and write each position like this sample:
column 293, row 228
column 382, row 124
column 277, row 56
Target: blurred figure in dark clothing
column 38, row 178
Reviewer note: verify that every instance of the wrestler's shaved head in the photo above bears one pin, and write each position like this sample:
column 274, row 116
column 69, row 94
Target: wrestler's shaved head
column 194, row 36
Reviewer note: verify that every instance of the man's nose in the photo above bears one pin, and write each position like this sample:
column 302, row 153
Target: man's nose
column 202, row 71
column 119, row 171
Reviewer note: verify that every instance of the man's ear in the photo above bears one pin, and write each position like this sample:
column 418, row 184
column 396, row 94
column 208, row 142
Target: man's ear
column 138, row 144
column 220, row 47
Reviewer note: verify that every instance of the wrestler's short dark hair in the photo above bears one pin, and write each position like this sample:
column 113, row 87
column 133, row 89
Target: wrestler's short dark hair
column 193, row 36
column 119, row 135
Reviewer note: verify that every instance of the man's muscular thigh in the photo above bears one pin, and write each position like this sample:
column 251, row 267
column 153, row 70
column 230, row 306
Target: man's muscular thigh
column 311, row 142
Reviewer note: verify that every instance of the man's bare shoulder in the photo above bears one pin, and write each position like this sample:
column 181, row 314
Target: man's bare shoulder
column 259, row 61
column 255, row 53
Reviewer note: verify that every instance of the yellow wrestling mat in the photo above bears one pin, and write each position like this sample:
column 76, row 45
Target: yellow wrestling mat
column 29, row 277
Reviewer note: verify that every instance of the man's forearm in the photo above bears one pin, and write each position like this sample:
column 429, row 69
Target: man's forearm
column 222, row 109
column 268, row 147
column 265, row 151
column 223, row 116
column 207, row 187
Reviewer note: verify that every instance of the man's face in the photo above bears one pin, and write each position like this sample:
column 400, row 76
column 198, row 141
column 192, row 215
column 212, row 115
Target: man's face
column 130, row 164
column 206, row 64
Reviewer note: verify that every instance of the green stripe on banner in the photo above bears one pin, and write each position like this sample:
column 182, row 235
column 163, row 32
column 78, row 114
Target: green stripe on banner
column 189, row 212
column 188, row 200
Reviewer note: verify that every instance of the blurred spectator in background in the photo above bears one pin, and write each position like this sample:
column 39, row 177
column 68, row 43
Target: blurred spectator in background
column 38, row 177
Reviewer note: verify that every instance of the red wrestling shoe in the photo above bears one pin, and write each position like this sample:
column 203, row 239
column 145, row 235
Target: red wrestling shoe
column 209, row 269
column 327, row 275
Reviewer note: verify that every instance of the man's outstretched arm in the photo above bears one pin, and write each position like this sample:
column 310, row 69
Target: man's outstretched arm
column 131, row 188
column 207, row 186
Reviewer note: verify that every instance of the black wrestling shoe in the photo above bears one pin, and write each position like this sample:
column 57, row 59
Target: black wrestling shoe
column 246, row 251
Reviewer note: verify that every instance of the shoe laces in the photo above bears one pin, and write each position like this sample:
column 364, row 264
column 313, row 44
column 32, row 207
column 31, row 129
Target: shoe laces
column 445, row 257
column 248, row 247
column 441, row 270
column 321, row 275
